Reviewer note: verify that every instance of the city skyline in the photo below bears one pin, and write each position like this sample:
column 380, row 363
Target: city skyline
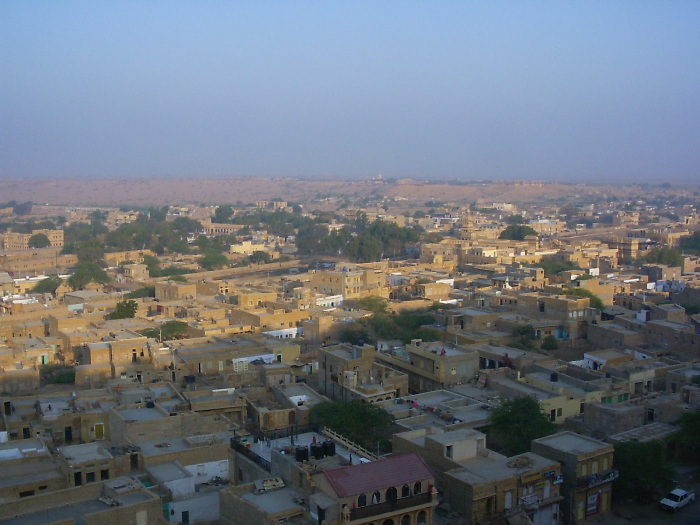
column 593, row 92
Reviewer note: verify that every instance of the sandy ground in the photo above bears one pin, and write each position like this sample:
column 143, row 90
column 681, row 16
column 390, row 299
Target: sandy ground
column 159, row 192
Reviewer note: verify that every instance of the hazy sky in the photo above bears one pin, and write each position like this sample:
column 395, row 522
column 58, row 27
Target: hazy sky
column 553, row 90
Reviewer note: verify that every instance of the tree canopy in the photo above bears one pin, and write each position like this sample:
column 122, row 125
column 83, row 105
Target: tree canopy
column 691, row 243
column 525, row 337
column 146, row 291
column 554, row 266
column 687, row 442
column 166, row 331
column 516, row 232
column 516, row 422
column 360, row 241
column 39, row 240
column 644, row 472
column 213, row 260
column 549, row 343
column 85, row 273
column 48, row 285
column 126, row 309
column 383, row 324
column 664, row 255
column 569, row 211
column 361, row 422
column 575, row 291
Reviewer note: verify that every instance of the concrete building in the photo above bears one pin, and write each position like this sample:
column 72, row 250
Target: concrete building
column 350, row 372
column 587, row 467
column 432, row 365
column 352, row 282
column 398, row 490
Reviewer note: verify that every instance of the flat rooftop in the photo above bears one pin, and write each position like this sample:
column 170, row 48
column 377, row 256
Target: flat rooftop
column 650, row 432
column 274, row 501
column 489, row 469
column 76, row 454
column 170, row 444
column 262, row 449
column 76, row 511
column 170, row 471
column 572, row 443
column 140, row 414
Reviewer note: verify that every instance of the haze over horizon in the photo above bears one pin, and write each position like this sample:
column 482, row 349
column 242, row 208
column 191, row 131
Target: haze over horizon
column 564, row 91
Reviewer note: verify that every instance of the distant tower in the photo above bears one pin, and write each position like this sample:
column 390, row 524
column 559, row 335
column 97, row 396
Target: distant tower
column 466, row 228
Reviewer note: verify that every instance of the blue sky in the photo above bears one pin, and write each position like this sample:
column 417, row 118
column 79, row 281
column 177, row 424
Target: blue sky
column 568, row 90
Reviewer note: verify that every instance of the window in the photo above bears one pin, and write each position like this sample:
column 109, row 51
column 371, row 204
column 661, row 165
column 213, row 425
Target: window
column 417, row 488
column 448, row 451
column 362, row 500
column 104, row 474
column 405, row 491
column 508, row 503
column 89, row 477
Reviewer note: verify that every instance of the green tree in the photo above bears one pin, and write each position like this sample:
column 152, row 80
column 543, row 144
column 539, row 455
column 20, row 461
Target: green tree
column 126, row 309
column 554, row 266
column 575, row 291
column 373, row 303
column 213, row 260
column 360, row 422
column 39, row 240
column 664, row 255
column 167, row 331
column 516, row 232
column 525, row 337
column 90, row 251
column 569, row 211
column 146, row 291
column 259, row 257
column 550, row 343
column 222, row 214
column 178, row 278
column 515, row 219
column 644, row 473
column 48, row 285
column 516, row 422
column 57, row 374
column 152, row 265
column 691, row 243
column 382, row 324
column 687, row 442
column 23, row 209
column 432, row 237
column 85, row 273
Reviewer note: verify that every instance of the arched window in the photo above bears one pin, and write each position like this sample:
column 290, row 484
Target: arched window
column 392, row 494
column 421, row 518
column 362, row 500
column 405, row 491
column 417, row 488
column 388, row 522
column 406, row 520
column 376, row 497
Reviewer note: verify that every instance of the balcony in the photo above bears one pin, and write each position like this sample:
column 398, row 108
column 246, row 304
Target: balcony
column 388, row 507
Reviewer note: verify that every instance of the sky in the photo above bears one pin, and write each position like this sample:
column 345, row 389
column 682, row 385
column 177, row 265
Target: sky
column 576, row 91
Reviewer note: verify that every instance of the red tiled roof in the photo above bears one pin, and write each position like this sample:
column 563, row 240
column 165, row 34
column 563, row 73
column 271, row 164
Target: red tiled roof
column 378, row 475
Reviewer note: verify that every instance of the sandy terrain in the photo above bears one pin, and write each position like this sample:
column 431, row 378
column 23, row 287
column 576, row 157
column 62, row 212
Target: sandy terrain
column 159, row 192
